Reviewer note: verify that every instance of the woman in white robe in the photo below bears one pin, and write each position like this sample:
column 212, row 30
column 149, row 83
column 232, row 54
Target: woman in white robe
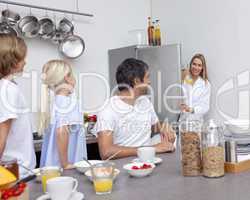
column 196, row 88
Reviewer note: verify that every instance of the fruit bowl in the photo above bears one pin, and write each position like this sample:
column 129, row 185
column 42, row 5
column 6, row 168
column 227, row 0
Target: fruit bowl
column 139, row 169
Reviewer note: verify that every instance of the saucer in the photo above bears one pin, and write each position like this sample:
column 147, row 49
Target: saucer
column 75, row 196
column 156, row 161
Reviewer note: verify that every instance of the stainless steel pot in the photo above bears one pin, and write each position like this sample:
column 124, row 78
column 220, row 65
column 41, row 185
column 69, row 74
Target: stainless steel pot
column 7, row 29
column 72, row 46
column 58, row 37
column 29, row 26
column 47, row 28
column 66, row 27
column 10, row 17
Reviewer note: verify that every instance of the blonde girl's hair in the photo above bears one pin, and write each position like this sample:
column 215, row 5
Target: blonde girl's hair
column 53, row 74
column 203, row 73
column 12, row 51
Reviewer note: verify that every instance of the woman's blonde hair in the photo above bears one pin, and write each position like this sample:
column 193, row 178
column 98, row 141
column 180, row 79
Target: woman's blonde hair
column 53, row 76
column 12, row 51
column 203, row 73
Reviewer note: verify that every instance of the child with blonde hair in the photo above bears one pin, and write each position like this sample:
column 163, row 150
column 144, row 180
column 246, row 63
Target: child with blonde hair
column 61, row 121
column 16, row 138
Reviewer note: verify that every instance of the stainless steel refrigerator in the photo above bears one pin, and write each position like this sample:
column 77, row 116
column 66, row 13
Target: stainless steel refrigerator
column 165, row 69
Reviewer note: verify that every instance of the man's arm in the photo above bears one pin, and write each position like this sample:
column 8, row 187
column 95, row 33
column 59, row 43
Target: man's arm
column 166, row 131
column 107, row 148
column 4, row 131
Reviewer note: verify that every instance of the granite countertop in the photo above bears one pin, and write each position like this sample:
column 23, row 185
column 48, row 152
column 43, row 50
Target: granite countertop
column 165, row 183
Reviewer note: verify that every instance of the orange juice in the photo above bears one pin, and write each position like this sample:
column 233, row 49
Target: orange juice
column 103, row 185
column 48, row 174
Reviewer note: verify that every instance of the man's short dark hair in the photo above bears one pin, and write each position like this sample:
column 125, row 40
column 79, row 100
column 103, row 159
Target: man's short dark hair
column 128, row 71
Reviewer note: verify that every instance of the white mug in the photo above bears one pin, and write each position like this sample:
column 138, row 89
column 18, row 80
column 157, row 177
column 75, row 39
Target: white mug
column 61, row 188
column 146, row 154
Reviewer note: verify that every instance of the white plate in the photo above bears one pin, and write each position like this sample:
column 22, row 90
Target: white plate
column 83, row 166
column 75, row 196
column 238, row 126
column 156, row 161
column 89, row 175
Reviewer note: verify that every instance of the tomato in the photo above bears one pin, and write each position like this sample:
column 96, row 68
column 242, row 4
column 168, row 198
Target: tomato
column 22, row 185
column 10, row 193
column 18, row 192
column 5, row 196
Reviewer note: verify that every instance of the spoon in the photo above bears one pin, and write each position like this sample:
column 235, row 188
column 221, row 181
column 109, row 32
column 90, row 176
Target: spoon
column 112, row 156
column 29, row 170
column 109, row 158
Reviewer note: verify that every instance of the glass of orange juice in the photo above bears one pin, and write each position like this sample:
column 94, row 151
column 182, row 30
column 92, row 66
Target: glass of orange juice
column 103, row 174
column 49, row 173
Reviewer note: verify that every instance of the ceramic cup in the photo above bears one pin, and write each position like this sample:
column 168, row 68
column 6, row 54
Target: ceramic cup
column 61, row 188
column 146, row 154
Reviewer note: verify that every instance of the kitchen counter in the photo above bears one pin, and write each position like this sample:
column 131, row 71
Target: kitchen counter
column 165, row 183
column 90, row 139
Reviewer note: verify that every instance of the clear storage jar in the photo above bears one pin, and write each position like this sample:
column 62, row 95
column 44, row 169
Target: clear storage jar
column 213, row 150
column 190, row 141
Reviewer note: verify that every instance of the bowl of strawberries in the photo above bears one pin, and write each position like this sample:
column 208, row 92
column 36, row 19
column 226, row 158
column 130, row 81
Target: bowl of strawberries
column 139, row 169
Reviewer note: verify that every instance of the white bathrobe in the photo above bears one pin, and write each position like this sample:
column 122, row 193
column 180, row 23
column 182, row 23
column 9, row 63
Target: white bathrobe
column 197, row 96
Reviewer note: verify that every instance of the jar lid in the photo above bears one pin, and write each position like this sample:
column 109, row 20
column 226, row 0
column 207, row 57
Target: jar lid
column 190, row 125
column 211, row 124
column 5, row 160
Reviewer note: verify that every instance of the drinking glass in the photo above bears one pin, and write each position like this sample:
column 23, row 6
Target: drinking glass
column 49, row 173
column 103, row 174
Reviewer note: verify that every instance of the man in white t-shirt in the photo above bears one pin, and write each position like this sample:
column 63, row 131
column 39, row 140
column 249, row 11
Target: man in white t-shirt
column 129, row 118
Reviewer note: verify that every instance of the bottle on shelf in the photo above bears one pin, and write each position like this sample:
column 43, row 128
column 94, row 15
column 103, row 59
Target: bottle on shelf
column 157, row 33
column 150, row 32
column 154, row 39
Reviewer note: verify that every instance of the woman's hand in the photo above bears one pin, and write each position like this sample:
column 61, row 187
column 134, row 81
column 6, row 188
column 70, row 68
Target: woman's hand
column 185, row 108
column 184, row 72
column 69, row 166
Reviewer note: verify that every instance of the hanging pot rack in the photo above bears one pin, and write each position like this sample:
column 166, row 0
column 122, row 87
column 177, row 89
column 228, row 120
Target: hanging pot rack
column 45, row 8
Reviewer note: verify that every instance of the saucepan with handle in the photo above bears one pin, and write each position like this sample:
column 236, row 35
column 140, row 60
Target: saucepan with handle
column 10, row 17
column 72, row 46
column 29, row 26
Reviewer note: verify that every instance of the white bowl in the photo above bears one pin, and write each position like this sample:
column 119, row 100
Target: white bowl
column 83, row 166
column 238, row 126
column 89, row 175
column 139, row 172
